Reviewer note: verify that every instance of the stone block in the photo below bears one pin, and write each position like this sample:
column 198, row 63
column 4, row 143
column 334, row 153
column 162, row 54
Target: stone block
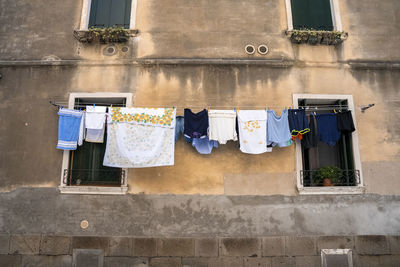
column 257, row 262
column 335, row 242
column 389, row 260
column 206, row 247
column 195, row 262
column 300, row 245
column 11, row 260
column 87, row 257
column 366, row 261
column 166, row 262
column 4, row 244
column 226, row 262
column 308, row 261
column 125, row 262
column 90, row 242
column 55, row 245
column 46, row 261
column 119, row 246
column 372, row 245
column 175, row 247
column 24, row 244
column 273, row 246
column 144, row 247
column 248, row 247
column 394, row 242
column 283, row 261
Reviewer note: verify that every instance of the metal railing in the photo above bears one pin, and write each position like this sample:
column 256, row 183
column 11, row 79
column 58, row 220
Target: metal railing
column 90, row 177
column 309, row 178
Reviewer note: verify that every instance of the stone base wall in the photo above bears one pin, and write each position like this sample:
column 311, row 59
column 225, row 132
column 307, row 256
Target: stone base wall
column 47, row 250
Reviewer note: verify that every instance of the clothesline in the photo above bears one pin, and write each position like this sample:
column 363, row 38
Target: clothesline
column 316, row 107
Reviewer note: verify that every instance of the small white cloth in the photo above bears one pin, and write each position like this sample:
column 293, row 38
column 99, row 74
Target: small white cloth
column 95, row 124
column 222, row 126
column 253, row 131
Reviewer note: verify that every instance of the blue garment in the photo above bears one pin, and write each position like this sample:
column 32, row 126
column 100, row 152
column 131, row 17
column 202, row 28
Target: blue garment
column 278, row 132
column 68, row 128
column 196, row 124
column 179, row 128
column 298, row 122
column 327, row 128
column 204, row 145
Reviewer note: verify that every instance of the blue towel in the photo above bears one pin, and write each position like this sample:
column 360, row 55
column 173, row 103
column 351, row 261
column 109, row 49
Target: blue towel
column 68, row 128
column 327, row 128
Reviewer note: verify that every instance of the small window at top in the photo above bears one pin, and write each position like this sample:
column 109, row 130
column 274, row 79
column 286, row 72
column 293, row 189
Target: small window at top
column 110, row 13
column 312, row 14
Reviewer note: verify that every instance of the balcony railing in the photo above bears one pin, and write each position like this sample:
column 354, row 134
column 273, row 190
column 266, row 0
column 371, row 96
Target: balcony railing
column 349, row 178
column 94, row 177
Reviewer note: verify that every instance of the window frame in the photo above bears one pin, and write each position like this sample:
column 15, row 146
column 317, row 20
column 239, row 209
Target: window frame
column 335, row 11
column 358, row 189
column 114, row 190
column 85, row 16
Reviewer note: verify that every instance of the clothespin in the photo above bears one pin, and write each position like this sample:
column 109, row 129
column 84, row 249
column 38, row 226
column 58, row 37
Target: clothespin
column 94, row 105
column 265, row 109
column 334, row 110
column 208, row 108
column 234, row 109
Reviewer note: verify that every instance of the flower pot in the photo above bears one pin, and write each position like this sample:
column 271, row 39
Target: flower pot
column 327, row 182
column 313, row 40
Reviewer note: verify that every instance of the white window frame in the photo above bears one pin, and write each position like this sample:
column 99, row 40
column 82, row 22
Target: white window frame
column 64, row 188
column 335, row 11
column 85, row 16
column 358, row 189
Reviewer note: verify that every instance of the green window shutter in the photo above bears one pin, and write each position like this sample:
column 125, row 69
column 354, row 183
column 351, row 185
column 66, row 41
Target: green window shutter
column 312, row 14
column 109, row 13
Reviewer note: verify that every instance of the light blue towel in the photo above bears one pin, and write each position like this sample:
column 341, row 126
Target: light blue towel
column 204, row 145
column 278, row 132
column 68, row 128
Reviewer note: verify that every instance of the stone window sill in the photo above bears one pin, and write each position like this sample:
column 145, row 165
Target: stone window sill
column 93, row 190
column 331, row 190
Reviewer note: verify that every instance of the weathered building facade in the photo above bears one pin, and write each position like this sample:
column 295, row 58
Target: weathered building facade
column 237, row 209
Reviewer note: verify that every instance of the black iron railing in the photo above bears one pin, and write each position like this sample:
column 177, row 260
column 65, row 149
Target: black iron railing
column 309, row 178
column 92, row 177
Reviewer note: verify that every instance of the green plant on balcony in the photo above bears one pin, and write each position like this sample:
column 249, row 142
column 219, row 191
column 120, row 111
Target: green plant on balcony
column 108, row 34
column 328, row 175
column 314, row 37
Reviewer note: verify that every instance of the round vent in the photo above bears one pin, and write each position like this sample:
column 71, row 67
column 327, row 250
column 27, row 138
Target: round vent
column 250, row 49
column 263, row 49
column 109, row 51
column 125, row 49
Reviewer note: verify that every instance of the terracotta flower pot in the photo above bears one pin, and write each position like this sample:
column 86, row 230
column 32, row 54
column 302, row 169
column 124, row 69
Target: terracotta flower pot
column 327, row 182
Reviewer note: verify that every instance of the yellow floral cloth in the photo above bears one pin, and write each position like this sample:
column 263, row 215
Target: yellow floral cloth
column 140, row 137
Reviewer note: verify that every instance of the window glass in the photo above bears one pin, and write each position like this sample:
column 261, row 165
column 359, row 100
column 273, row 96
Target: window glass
column 110, row 13
column 312, row 14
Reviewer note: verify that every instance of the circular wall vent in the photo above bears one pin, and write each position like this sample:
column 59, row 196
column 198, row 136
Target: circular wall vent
column 125, row 49
column 84, row 224
column 109, row 51
column 263, row 49
column 250, row 49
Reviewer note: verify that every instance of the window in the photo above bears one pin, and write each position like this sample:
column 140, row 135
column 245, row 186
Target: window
column 343, row 155
column 336, row 257
column 82, row 169
column 108, row 13
column 313, row 14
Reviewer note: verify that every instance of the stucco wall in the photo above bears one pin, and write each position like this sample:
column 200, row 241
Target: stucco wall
column 36, row 31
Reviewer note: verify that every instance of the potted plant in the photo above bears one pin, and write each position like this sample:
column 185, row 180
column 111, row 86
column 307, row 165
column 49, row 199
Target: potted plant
column 328, row 175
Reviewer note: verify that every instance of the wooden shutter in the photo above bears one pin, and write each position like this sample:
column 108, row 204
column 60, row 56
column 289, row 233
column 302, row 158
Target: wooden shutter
column 110, row 13
column 312, row 14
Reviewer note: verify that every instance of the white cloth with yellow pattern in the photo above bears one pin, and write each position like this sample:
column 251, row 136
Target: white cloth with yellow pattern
column 140, row 137
column 253, row 131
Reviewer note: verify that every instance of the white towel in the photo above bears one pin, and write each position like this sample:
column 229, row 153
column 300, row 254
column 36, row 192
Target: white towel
column 95, row 124
column 222, row 125
column 253, row 131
